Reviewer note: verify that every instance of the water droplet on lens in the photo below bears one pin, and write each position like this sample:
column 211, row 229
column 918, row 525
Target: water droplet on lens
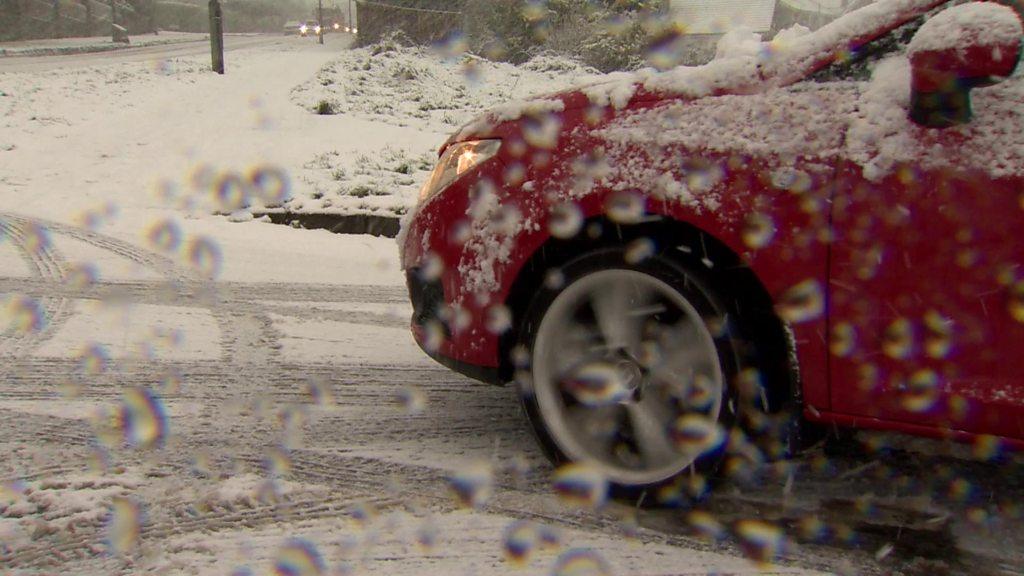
column 205, row 256
column 21, row 315
column 758, row 230
column 271, row 185
column 939, row 335
column 696, row 434
column 625, row 208
column 81, row 276
column 499, row 319
column 801, row 303
column 565, row 221
column 144, row 418
column 639, row 250
column 844, row 339
column 277, row 462
column 554, row 279
column 520, row 541
column 581, row 562
column 581, row 484
column 93, row 360
column 762, row 541
column 363, row 514
column 922, row 392
column 231, row 192
column 705, row 525
column 123, row 525
column 898, row 339
column 299, row 557
column 412, row 400
column 164, row 235
column 599, row 384
column 472, row 486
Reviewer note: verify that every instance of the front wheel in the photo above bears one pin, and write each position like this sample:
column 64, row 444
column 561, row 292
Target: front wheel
column 630, row 365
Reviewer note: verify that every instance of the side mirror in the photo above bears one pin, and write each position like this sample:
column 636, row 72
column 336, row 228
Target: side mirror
column 960, row 48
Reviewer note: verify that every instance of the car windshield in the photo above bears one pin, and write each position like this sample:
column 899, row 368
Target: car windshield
column 475, row 287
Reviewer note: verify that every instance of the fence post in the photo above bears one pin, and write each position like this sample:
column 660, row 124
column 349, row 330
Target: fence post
column 217, row 36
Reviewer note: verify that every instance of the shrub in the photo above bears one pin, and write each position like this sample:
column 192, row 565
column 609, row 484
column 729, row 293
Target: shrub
column 325, row 108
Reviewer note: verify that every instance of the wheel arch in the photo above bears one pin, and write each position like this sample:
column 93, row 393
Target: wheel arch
column 682, row 240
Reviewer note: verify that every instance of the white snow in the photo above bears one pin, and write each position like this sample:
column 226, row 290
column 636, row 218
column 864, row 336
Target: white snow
column 137, row 331
column 339, row 342
column 882, row 136
column 972, row 24
column 93, row 44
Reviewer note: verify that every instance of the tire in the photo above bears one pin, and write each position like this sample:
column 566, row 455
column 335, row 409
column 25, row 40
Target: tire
column 607, row 382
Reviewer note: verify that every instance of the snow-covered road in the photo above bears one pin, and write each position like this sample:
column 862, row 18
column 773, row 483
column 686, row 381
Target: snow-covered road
column 180, row 394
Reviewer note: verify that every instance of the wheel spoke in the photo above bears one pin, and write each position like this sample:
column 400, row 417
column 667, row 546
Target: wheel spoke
column 596, row 427
column 650, row 434
column 576, row 349
column 685, row 352
column 620, row 309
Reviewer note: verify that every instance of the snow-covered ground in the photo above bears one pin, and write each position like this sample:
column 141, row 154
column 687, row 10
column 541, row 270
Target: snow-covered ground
column 52, row 46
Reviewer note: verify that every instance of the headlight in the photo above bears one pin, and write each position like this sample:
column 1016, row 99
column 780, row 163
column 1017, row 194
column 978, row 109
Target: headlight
column 336, row 25
column 303, row 29
column 317, row 29
column 456, row 161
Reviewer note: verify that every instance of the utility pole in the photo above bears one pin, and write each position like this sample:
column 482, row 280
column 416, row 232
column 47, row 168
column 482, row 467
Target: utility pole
column 320, row 19
column 351, row 24
column 88, row 18
column 55, row 20
column 217, row 36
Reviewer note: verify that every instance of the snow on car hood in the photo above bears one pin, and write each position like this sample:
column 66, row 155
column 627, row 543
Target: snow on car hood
column 745, row 67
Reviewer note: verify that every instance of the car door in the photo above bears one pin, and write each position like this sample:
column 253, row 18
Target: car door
column 926, row 283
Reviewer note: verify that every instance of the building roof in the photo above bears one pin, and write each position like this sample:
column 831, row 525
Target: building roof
column 718, row 16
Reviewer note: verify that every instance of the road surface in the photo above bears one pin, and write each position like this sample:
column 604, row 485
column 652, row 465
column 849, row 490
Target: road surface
column 159, row 52
column 291, row 383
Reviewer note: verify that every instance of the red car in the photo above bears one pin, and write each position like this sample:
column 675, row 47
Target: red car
column 669, row 262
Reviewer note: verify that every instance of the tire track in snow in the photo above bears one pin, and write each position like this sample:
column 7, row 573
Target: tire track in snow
column 46, row 264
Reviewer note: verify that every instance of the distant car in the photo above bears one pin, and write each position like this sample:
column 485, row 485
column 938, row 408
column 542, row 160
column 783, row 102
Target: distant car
column 310, row 27
column 292, row 27
column 666, row 263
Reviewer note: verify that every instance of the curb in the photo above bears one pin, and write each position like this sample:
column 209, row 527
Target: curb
column 372, row 224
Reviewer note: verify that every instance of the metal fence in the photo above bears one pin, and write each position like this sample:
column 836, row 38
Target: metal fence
column 423, row 21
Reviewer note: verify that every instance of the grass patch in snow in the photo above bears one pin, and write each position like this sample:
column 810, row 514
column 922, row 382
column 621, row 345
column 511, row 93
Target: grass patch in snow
column 383, row 182
column 416, row 87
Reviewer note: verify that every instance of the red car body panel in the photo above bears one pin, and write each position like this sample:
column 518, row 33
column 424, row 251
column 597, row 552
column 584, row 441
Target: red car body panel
column 792, row 204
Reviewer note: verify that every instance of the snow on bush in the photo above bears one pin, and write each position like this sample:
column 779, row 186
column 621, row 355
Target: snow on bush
column 384, row 182
column 416, row 87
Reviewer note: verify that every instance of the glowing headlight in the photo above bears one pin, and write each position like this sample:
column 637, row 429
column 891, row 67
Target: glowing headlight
column 317, row 29
column 456, row 161
column 303, row 28
column 336, row 25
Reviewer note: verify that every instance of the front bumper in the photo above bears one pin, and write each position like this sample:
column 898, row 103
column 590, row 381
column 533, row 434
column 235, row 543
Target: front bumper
column 428, row 305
